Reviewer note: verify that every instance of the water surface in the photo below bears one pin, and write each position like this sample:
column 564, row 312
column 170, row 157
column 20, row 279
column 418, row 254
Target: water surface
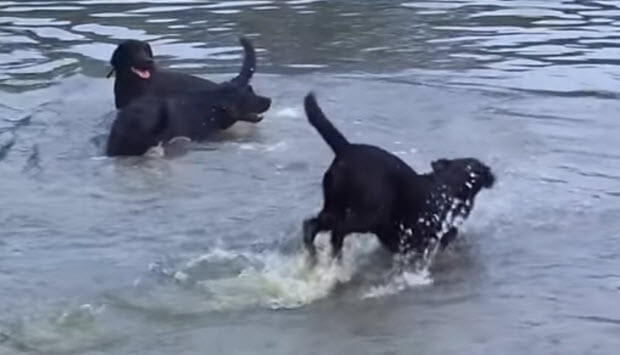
column 201, row 253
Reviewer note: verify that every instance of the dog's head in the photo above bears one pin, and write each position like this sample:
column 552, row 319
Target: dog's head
column 138, row 127
column 132, row 57
column 465, row 177
column 239, row 101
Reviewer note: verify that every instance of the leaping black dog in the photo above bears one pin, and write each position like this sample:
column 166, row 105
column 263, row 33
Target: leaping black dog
column 367, row 189
column 152, row 119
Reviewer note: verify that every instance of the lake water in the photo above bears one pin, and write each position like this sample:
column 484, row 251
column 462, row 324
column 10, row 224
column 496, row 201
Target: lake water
column 201, row 254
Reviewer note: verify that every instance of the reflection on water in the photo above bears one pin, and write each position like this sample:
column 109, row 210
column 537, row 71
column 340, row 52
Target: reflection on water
column 49, row 41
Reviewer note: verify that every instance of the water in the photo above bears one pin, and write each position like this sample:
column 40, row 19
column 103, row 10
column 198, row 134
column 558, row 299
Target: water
column 202, row 253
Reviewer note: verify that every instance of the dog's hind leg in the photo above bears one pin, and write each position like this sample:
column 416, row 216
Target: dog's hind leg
column 337, row 241
column 310, row 229
column 325, row 221
column 352, row 224
column 312, row 226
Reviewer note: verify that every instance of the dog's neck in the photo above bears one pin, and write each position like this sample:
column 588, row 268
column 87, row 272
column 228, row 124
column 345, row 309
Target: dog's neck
column 219, row 116
column 127, row 86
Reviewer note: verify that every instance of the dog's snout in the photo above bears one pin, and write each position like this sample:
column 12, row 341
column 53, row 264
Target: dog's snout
column 147, row 63
column 489, row 179
column 143, row 61
column 266, row 104
column 263, row 104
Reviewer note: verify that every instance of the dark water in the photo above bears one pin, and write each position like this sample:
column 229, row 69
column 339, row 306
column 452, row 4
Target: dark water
column 200, row 254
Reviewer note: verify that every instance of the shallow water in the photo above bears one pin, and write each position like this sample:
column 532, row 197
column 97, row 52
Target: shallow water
column 201, row 253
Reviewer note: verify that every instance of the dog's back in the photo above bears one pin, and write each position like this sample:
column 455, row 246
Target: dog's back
column 161, row 83
column 164, row 82
column 360, row 161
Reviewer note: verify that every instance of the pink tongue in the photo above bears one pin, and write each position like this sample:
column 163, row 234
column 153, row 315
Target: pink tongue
column 144, row 74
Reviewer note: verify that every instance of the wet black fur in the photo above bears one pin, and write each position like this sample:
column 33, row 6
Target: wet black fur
column 155, row 117
column 150, row 120
column 138, row 54
column 367, row 189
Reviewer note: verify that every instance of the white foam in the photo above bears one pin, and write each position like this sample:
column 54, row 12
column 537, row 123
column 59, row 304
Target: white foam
column 291, row 112
column 398, row 283
column 156, row 151
column 275, row 280
column 279, row 146
column 271, row 279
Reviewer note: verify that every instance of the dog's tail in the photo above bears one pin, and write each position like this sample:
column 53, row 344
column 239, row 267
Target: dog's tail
column 249, row 63
column 326, row 129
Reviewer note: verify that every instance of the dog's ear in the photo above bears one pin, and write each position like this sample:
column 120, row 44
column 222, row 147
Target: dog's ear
column 440, row 164
column 249, row 63
column 148, row 50
column 488, row 178
column 116, row 58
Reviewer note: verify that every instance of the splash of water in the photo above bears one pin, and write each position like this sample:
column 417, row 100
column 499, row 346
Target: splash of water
column 71, row 330
column 235, row 280
column 221, row 280
column 398, row 283
column 272, row 279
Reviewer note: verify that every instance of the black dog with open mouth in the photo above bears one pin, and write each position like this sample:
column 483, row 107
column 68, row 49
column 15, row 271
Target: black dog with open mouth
column 369, row 190
column 136, row 73
column 150, row 120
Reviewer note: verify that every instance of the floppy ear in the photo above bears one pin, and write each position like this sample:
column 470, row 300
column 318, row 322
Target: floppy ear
column 116, row 57
column 488, row 178
column 440, row 164
column 249, row 63
column 148, row 49
column 115, row 61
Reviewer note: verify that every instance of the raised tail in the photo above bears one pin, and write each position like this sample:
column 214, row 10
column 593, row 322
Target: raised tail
column 326, row 129
column 249, row 63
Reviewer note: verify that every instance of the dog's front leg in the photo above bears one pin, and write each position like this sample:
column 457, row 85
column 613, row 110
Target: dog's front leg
column 337, row 241
column 448, row 238
column 310, row 230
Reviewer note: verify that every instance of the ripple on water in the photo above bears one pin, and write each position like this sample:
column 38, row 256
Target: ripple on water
column 114, row 32
column 155, row 9
column 533, row 83
column 47, row 32
column 234, row 3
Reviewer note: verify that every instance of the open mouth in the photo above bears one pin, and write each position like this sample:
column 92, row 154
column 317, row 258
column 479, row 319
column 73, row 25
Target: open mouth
column 253, row 117
column 142, row 73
